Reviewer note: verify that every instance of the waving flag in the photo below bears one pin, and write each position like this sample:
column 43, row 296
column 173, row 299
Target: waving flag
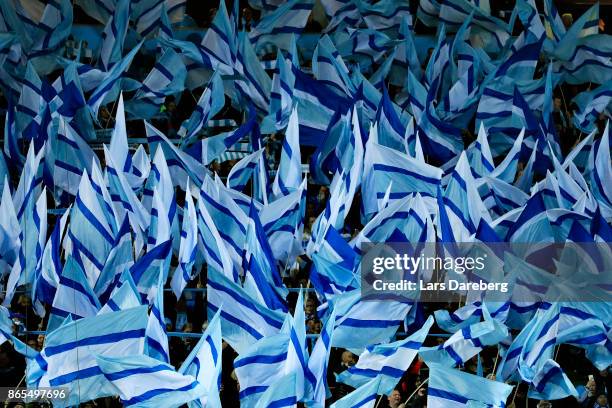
column 204, row 364
column 113, row 35
column 253, row 82
column 318, row 363
column 124, row 295
column 156, row 339
column 452, row 388
column 152, row 13
column 387, row 361
column 590, row 105
column 136, row 377
column 289, row 174
column 277, row 27
column 363, row 397
column 166, row 78
column 69, row 354
column 329, row 67
column 218, row 42
column 281, row 95
column 147, row 268
column 210, row 103
column 187, row 251
column 243, row 319
column 73, row 297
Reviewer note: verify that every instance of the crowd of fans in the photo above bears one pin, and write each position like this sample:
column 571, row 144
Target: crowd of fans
column 187, row 315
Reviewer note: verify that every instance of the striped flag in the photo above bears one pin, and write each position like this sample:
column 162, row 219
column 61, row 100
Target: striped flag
column 188, row 246
column 156, row 339
column 387, row 361
column 363, row 397
column 289, row 174
column 243, row 319
column 204, row 364
column 319, row 362
column 210, row 103
column 450, row 388
column 114, row 34
column 68, row 358
column 137, row 379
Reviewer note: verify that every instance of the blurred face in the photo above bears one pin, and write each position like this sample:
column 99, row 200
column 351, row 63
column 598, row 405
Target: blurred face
column 395, row 397
column 602, row 400
column 347, row 358
column 557, row 102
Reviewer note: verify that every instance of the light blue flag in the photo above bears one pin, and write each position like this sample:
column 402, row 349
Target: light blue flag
column 108, row 85
column 453, row 388
column 262, row 364
column 387, row 361
column 120, row 258
column 212, row 147
column 188, row 247
column 9, row 230
column 479, row 155
column 243, row 319
column 241, row 172
column 219, row 44
column 363, row 397
column 589, row 105
column 68, row 358
column 584, row 60
column 48, row 30
column 252, row 81
column 384, row 167
column 33, row 236
column 167, row 77
column 297, row 352
column 500, row 197
column 73, row 297
column 92, row 229
column 156, row 338
column 520, row 64
column 182, row 165
column 507, row 169
column 467, row 342
column 281, row 95
column 148, row 15
column 49, row 267
column 391, row 129
column 30, row 105
column 366, row 46
column 210, row 103
column 491, row 31
column 318, row 364
column 163, row 207
column 114, row 34
column 528, row 13
column 329, row 68
column 283, row 223
column 204, row 364
column 599, row 172
column 356, row 316
column 277, row 27
column 137, row 380
column 406, row 57
column 428, row 12
column 124, row 295
column 212, row 246
column 229, row 219
column 289, row 175
column 555, row 29
column 384, row 15
column 100, row 10
column 67, row 155
column 280, row 394
column 146, row 270
column 464, row 204
column 262, row 279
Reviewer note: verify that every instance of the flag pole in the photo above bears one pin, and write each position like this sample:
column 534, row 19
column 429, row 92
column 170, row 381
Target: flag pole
column 417, row 390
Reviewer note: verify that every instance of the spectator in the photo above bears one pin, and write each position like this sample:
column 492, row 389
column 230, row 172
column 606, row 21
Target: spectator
column 395, row 399
column 602, row 402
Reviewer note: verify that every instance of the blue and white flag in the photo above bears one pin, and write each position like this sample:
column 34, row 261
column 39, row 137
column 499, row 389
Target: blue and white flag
column 114, row 34
column 379, row 318
column 241, row 172
column 281, row 95
column 384, row 166
column 146, row 270
column 388, row 361
column 289, row 174
column 166, row 78
column 69, row 354
column 280, row 394
column 156, row 338
column 600, row 173
column 124, row 295
column 204, row 364
column 453, row 388
column 252, row 82
column 73, row 297
column 210, row 103
column 319, row 362
column 329, row 68
column 243, row 319
column 137, row 380
column 109, row 83
column 148, row 15
column 188, row 246
column 363, row 397
column 219, row 44
column 589, row 105
column 277, row 27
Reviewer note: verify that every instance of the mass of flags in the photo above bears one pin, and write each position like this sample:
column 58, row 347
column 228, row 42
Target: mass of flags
column 103, row 210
